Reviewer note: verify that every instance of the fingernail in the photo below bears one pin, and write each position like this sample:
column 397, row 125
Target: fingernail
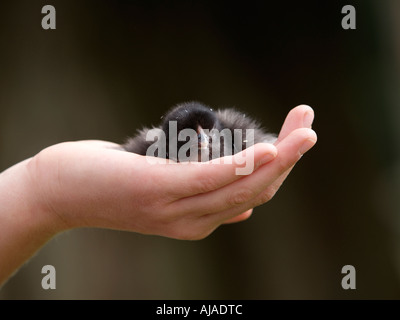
column 307, row 145
column 308, row 119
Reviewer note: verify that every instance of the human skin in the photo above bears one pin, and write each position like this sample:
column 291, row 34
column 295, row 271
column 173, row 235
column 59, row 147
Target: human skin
column 95, row 184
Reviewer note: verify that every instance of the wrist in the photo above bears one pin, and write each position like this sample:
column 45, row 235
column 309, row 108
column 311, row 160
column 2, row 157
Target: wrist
column 25, row 225
column 40, row 193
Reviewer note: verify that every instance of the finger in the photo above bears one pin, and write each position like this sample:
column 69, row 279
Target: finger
column 301, row 116
column 236, row 214
column 274, row 187
column 202, row 177
column 266, row 195
column 244, row 190
column 263, row 197
column 240, row 217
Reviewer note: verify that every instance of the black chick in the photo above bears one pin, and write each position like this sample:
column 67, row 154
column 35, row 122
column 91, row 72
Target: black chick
column 211, row 133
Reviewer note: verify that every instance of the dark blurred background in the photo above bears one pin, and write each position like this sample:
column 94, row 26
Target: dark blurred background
column 111, row 67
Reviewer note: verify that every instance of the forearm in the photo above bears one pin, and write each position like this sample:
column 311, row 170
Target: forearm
column 25, row 225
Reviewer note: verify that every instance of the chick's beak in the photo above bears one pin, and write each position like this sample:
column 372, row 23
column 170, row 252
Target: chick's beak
column 203, row 138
